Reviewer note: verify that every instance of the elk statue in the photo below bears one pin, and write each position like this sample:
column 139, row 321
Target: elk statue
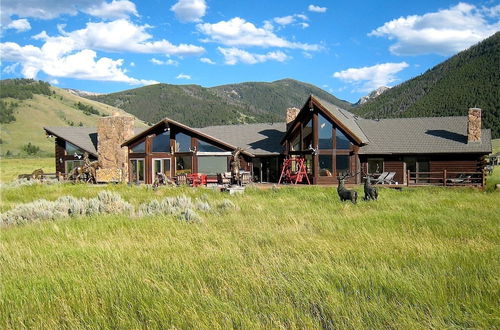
column 344, row 193
column 235, row 166
column 371, row 192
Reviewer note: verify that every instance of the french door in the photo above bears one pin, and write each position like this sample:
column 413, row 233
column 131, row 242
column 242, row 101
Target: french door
column 160, row 165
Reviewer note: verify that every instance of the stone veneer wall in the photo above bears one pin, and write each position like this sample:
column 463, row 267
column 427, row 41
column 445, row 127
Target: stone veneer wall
column 291, row 114
column 111, row 133
column 474, row 125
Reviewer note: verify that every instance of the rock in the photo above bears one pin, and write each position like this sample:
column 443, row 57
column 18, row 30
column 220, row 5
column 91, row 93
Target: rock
column 108, row 175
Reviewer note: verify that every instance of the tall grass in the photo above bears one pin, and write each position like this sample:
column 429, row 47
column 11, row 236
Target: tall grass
column 285, row 258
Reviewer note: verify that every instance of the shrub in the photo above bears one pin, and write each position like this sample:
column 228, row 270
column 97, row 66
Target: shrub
column 31, row 149
column 189, row 215
column 202, row 206
column 226, row 205
column 111, row 202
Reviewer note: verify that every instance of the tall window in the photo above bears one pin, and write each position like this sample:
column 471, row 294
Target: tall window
column 182, row 142
column 325, row 130
column 308, row 135
column 161, row 142
column 375, row 165
column 341, row 141
column 325, row 165
column 212, row 164
column 342, row 163
column 71, row 164
column 161, row 165
column 137, row 170
column 183, row 164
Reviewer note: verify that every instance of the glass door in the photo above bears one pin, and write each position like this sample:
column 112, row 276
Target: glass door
column 160, row 165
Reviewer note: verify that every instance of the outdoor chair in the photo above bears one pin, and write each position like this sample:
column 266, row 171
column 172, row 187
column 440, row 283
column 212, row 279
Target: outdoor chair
column 224, row 178
column 380, row 178
column 389, row 179
column 461, row 178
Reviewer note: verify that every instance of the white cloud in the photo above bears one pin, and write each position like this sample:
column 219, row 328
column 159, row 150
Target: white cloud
column 10, row 68
column 238, row 32
column 113, row 10
column 183, row 76
column 54, row 82
column 167, row 62
column 117, row 36
column 234, row 55
column 20, row 25
column 132, row 64
column 206, row 60
column 443, row 32
column 80, row 65
column 371, row 77
column 189, row 10
column 287, row 20
column 304, row 25
column 316, row 9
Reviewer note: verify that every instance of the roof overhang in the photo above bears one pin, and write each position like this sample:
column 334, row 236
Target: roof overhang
column 49, row 132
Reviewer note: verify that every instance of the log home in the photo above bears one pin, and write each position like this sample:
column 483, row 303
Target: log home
column 331, row 140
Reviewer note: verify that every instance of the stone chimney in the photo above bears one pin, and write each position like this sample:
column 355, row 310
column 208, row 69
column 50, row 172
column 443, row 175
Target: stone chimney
column 111, row 133
column 291, row 114
column 474, row 125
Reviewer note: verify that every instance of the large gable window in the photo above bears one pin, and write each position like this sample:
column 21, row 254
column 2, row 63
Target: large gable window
column 325, row 135
column 71, row 149
column 207, row 147
column 182, row 142
column 161, row 142
column 341, row 141
column 139, row 148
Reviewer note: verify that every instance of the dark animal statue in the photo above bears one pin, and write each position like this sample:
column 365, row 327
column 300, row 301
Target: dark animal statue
column 371, row 192
column 344, row 193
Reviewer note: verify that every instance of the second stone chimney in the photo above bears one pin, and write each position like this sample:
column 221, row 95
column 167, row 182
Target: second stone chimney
column 474, row 125
column 291, row 114
column 111, row 133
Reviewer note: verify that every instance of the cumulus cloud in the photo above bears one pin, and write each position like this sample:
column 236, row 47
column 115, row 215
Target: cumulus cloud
column 80, row 65
column 206, row 60
column 234, row 55
column 113, row 10
column 443, row 32
column 20, row 25
column 49, row 9
column 316, row 9
column 183, row 76
column 121, row 35
column 189, row 10
column 369, row 78
column 238, row 32
column 167, row 62
column 290, row 19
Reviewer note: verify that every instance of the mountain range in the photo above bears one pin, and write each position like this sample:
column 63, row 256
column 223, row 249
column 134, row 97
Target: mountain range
column 469, row 79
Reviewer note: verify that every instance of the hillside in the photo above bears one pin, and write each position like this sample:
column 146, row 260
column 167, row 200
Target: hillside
column 27, row 106
column 469, row 79
column 197, row 106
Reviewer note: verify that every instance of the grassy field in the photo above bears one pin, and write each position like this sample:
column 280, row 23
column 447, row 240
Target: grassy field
column 284, row 258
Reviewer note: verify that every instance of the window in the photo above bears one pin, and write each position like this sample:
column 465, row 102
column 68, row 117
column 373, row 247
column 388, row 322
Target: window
column 325, row 130
column 308, row 135
column 212, row 164
column 375, row 165
column 207, row 147
column 342, row 164
column 342, row 142
column 296, row 143
column 140, row 148
column 182, row 142
column 161, row 142
column 325, row 165
column 136, row 170
column 183, row 165
column 71, row 164
column 71, row 149
column 161, row 165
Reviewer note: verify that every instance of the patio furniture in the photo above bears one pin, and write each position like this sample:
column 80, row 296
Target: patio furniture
column 389, row 179
column 380, row 178
column 197, row 179
column 224, row 178
column 461, row 178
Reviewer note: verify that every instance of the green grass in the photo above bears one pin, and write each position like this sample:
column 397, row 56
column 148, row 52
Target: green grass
column 291, row 258
column 10, row 168
column 495, row 144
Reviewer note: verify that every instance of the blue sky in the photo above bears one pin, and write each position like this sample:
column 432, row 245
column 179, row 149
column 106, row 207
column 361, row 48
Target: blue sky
column 345, row 47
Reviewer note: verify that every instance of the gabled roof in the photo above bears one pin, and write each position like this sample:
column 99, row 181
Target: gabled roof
column 343, row 118
column 259, row 139
column 84, row 138
column 421, row 136
column 168, row 122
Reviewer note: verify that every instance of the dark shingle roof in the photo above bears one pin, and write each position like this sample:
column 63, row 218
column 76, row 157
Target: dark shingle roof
column 83, row 137
column 421, row 136
column 258, row 139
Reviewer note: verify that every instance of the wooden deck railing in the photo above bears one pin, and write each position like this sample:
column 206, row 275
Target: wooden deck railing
column 445, row 178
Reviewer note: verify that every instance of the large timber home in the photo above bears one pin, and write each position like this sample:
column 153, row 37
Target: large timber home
column 330, row 140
